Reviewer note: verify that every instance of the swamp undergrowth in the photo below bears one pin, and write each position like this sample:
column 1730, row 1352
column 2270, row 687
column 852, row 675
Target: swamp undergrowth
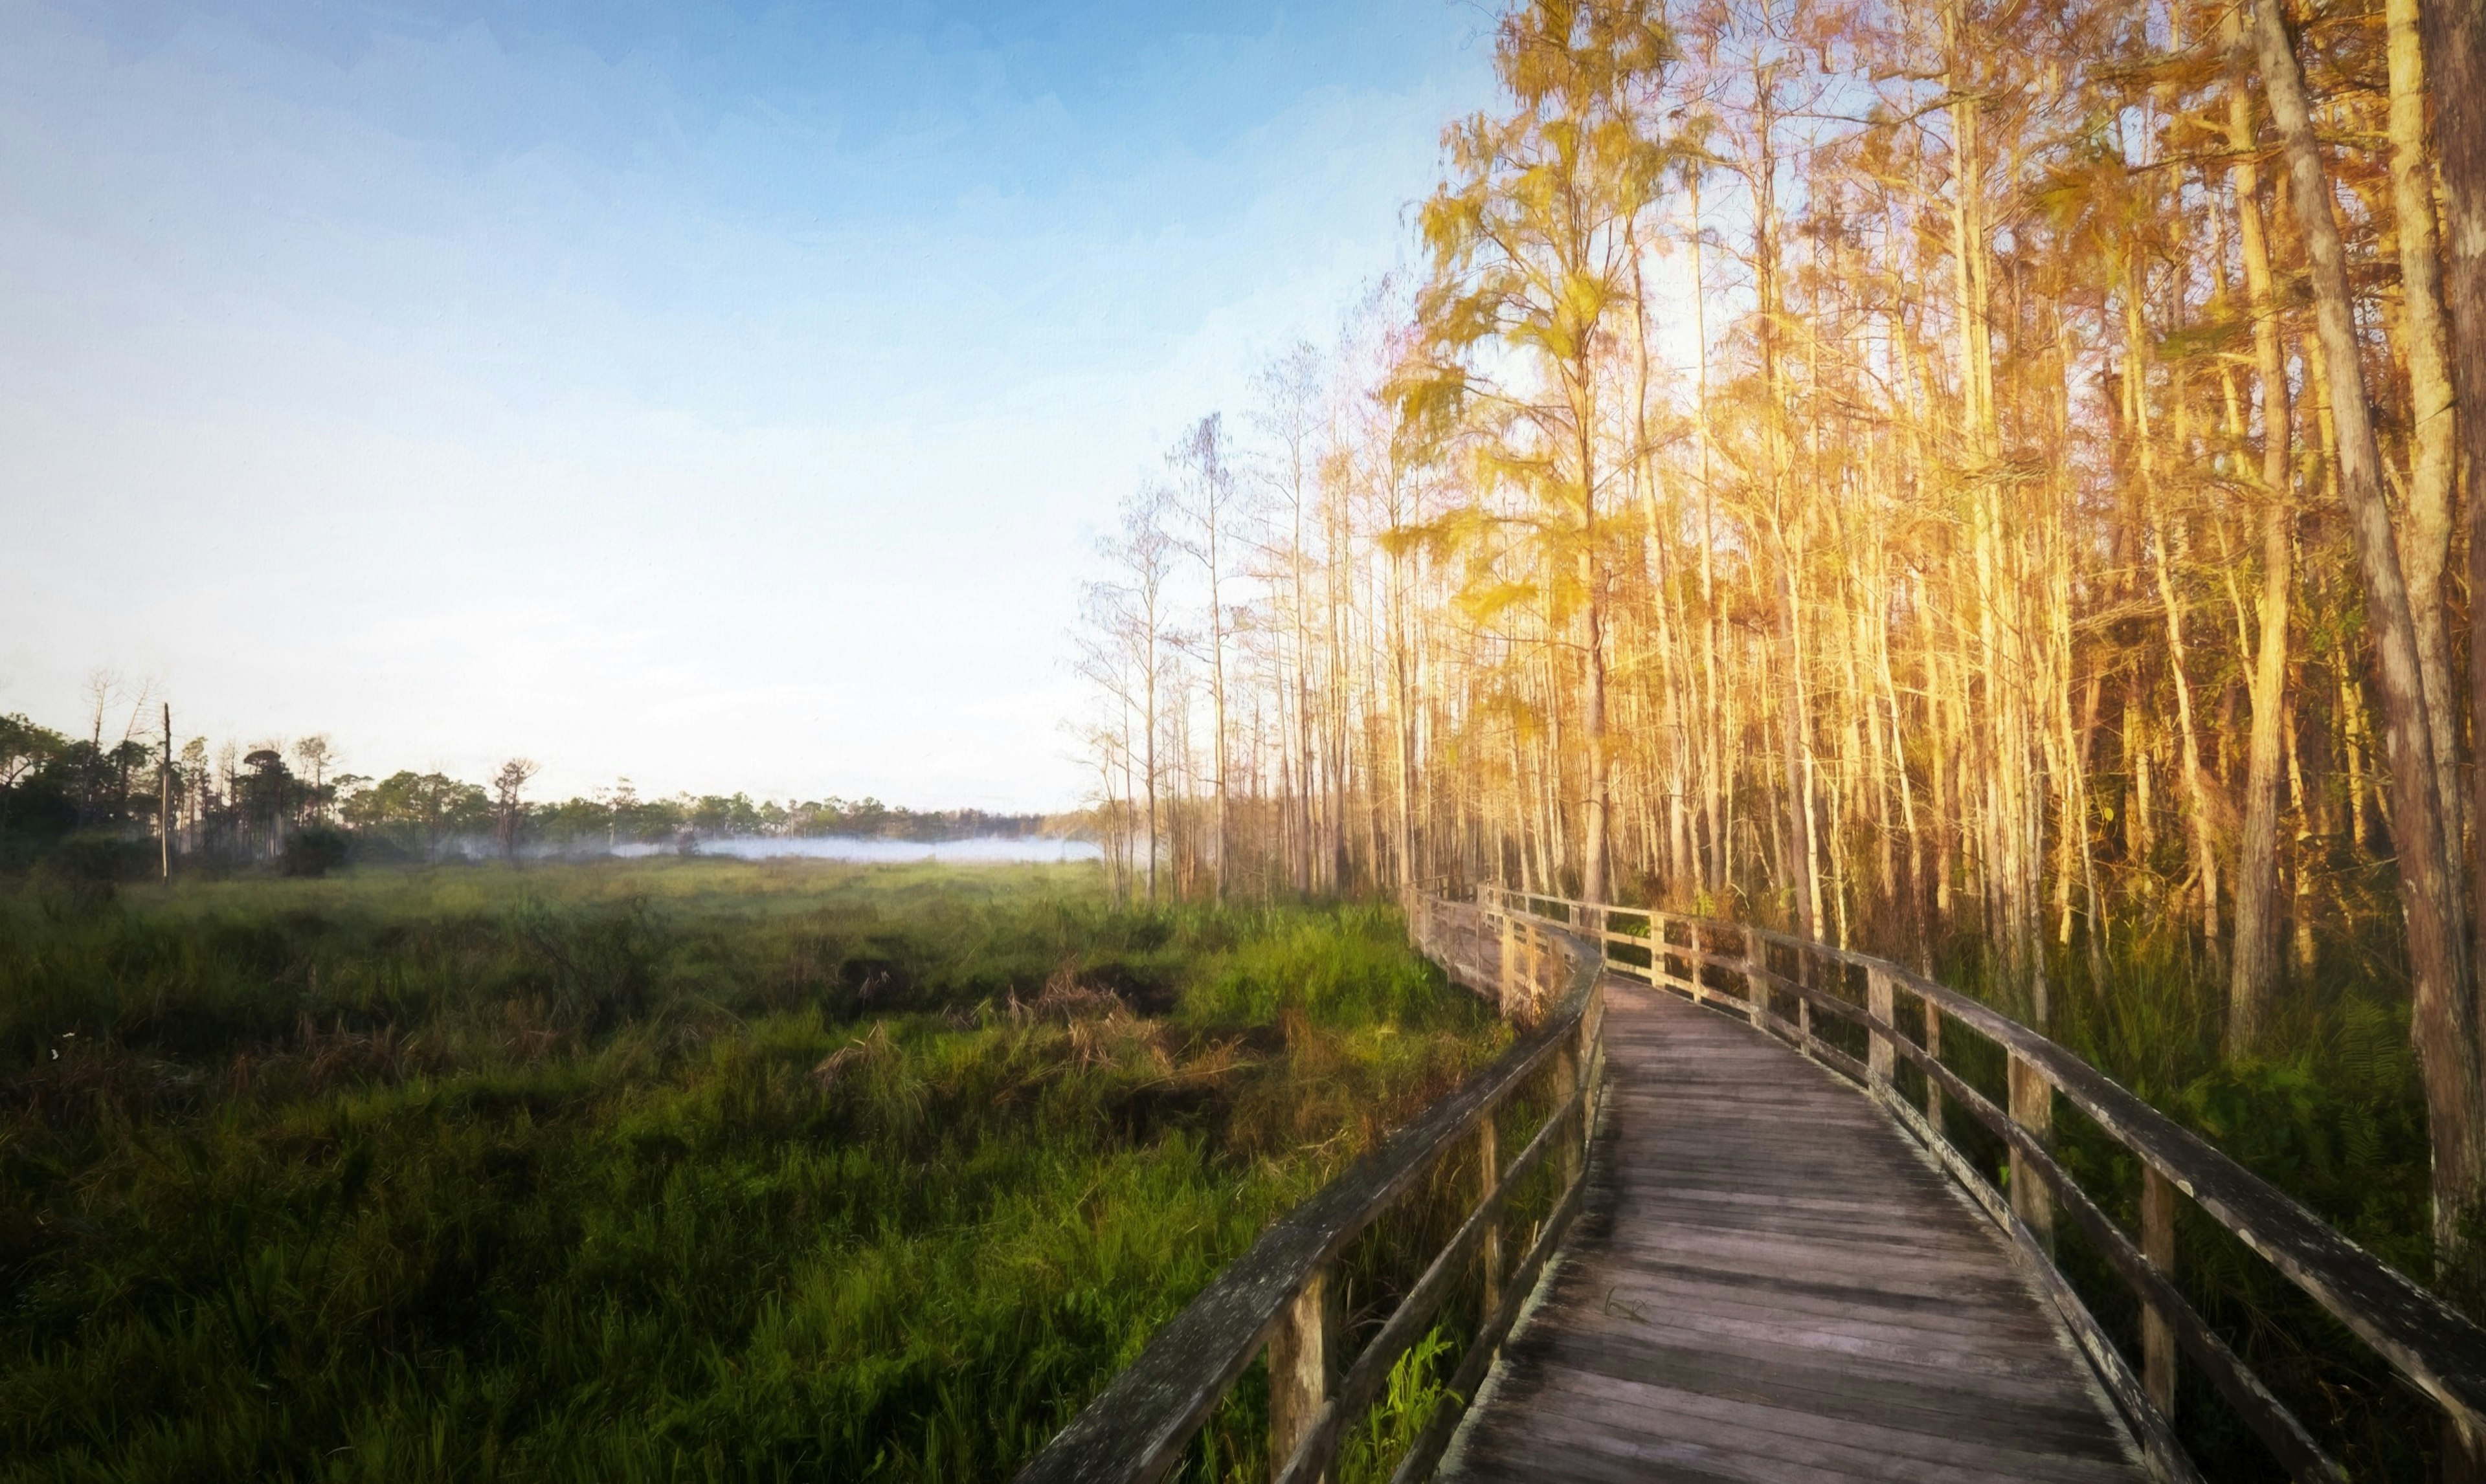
column 674, row 1168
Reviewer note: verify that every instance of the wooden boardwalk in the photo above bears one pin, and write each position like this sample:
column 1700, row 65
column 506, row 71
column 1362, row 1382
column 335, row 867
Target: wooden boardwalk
column 1772, row 1284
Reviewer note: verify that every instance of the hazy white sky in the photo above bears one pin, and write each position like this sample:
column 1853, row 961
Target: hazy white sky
column 726, row 396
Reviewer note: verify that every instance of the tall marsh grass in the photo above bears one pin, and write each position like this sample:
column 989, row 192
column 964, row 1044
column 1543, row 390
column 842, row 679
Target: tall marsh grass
column 673, row 1168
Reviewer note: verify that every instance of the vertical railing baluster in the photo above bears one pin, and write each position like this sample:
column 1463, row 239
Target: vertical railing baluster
column 1299, row 1371
column 1509, row 962
column 1807, row 975
column 1568, row 1072
column 1488, row 1179
column 1933, row 1049
column 1700, row 967
column 1536, row 940
column 1592, row 1044
column 2158, row 1244
column 1756, row 984
column 2033, row 1108
column 1881, row 1057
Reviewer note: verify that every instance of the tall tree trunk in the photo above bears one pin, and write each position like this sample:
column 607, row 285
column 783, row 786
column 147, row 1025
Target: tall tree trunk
column 1150, row 718
column 2445, row 1019
column 2255, row 965
column 1216, row 693
column 1594, row 866
column 2427, row 529
column 1803, row 878
column 2455, row 43
column 1716, row 782
column 2196, row 791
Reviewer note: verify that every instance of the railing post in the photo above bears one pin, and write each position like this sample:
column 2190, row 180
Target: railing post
column 2158, row 1245
column 1592, row 1019
column 1933, row 1049
column 1509, row 961
column 2033, row 1108
column 1568, row 1072
column 2464, row 1455
column 1756, row 987
column 1488, row 1179
column 1535, row 967
column 1299, row 1371
column 1881, row 1057
column 1805, row 975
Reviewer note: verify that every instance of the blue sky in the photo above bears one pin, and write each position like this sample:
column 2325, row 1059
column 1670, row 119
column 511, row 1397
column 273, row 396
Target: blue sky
column 725, row 395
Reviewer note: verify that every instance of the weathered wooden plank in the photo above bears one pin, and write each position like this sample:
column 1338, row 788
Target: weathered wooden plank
column 1773, row 1285
column 1728, row 1323
column 2278, row 1428
column 1794, row 1438
column 2441, row 1352
column 1731, row 1448
column 1856, row 1343
column 1839, row 1394
column 2391, row 1305
column 2157, row 1327
column 1302, row 1360
column 1947, row 1312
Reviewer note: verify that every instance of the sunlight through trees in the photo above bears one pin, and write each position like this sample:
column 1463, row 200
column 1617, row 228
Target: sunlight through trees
column 1918, row 473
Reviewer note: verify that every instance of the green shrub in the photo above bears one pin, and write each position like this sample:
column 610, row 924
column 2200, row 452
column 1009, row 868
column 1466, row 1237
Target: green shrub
column 315, row 850
column 79, row 876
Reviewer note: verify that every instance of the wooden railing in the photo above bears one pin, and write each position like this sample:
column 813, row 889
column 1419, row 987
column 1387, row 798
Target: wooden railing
column 1277, row 1298
column 1752, row 972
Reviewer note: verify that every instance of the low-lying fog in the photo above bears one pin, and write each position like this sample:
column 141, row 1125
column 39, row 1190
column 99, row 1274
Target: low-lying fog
column 982, row 850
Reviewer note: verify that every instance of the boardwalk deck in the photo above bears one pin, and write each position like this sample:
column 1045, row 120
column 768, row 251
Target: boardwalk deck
column 1773, row 1285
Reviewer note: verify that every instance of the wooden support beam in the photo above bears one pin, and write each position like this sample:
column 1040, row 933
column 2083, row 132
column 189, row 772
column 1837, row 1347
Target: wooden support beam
column 2157, row 1334
column 1509, row 962
column 1933, row 1049
column 1756, row 983
column 1591, row 1041
column 1881, row 1057
column 1568, row 1072
column 2033, row 1108
column 1535, row 967
column 1299, row 1369
column 1802, row 1009
column 1488, row 1178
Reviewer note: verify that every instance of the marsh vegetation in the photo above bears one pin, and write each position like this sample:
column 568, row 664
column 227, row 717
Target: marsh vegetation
column 678, row 1167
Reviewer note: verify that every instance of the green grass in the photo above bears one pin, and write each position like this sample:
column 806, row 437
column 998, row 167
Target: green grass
column 676, row 1168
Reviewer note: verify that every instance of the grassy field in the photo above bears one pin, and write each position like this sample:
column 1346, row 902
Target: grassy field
column 680, row 1169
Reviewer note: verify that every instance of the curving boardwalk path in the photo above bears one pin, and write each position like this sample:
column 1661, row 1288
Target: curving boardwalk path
column 1772, row 1284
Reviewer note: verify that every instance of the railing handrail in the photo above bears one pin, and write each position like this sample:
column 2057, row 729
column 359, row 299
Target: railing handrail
column 1136, row 1429
column 2434, row 1347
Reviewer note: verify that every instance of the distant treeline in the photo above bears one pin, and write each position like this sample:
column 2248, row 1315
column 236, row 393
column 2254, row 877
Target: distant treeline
column 285, row 805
